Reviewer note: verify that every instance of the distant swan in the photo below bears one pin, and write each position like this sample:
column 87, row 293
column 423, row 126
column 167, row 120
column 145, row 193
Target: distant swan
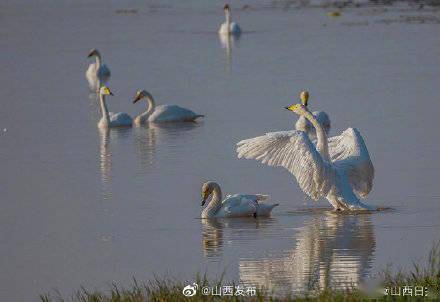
column 110, row 119
column 304, row 125
column 98, row 73
column 238, row 205
column 339, row 168
column 162, row 113
column 228, row 27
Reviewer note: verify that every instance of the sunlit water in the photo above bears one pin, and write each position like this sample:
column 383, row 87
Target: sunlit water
column 84, row 207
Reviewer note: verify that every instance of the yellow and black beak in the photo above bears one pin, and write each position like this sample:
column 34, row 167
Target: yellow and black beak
column 291, row 107
column 137, row 98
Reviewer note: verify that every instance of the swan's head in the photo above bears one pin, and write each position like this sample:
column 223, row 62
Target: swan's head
column 141, row 94
column 304, row 96
column 207, row 189
column 299, row 109
column 105, row 91
column 226, row 8
column 94, row 52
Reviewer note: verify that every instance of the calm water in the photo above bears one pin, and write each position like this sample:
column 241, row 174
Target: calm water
column 84, row 207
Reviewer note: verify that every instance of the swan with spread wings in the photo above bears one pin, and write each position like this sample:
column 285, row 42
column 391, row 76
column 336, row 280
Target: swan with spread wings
column 337, row 168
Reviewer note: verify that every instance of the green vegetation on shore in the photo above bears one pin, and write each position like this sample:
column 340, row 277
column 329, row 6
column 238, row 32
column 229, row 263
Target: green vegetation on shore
column 426, row 277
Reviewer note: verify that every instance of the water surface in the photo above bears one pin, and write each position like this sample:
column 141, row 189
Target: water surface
column 87, row 207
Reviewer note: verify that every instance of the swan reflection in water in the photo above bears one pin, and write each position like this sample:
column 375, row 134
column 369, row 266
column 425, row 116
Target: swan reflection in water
column 228, row 42
column 108, row 137
column 153, row 136
column 236, row 231
column 332, row 251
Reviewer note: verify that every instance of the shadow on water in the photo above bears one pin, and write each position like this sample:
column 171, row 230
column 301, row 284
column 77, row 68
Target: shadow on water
column 331, row 250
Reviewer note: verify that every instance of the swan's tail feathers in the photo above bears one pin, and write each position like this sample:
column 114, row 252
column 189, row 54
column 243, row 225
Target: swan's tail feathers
column 273, row 206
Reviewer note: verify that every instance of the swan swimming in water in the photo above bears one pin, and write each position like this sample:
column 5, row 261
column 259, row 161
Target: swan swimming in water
column 110, row 119
column 338, row 168
column 304, row 125
column 238, row 205
column 228, row 27
column 162, row 113
column 98, row 73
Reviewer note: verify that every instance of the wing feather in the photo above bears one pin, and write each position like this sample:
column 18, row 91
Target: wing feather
column 349, row 153
column 294, row 151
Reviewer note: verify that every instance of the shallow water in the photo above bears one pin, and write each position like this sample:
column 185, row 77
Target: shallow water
column 84, row 207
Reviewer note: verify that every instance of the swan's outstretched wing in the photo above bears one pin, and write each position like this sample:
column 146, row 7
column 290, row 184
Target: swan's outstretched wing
column 349, row 153
column 294, row 151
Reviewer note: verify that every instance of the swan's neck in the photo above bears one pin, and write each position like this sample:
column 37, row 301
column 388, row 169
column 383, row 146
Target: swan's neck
column 215, row 204
column 228, row 18
column 150, row 107
column 98, row 60
column 321, row 136
column 104, row 110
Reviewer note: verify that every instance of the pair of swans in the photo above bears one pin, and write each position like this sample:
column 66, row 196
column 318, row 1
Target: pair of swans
column 153, row 114
column 337, row 168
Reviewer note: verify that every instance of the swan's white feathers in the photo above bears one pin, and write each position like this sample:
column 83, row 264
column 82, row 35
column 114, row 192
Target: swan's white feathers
column 294, row 151
column 234, row 29
column 238, row 205
column 93, row 75
column 172, row 113
column 349, row 153
column 120, row 118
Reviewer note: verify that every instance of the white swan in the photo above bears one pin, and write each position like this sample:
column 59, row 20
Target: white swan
column 228, row 27
column 304, row 125
column 98, row 73
column 110, row 119
column 162, row 113
column 339, row 168
column 238, row 205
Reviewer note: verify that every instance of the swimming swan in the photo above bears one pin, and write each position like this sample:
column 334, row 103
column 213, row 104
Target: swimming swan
column 228, row 27
column 110, row 119
column 338, row 168
column 98, row 73
column 304, row 125
column 238, row 205
column 162, row 113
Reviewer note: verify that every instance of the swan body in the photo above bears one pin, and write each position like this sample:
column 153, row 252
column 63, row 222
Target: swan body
column 228, row 27
column 162, row 113
column 237, row 205
column 338, row 168
column 304, row 125
column 98, row 73
column 110, row 119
